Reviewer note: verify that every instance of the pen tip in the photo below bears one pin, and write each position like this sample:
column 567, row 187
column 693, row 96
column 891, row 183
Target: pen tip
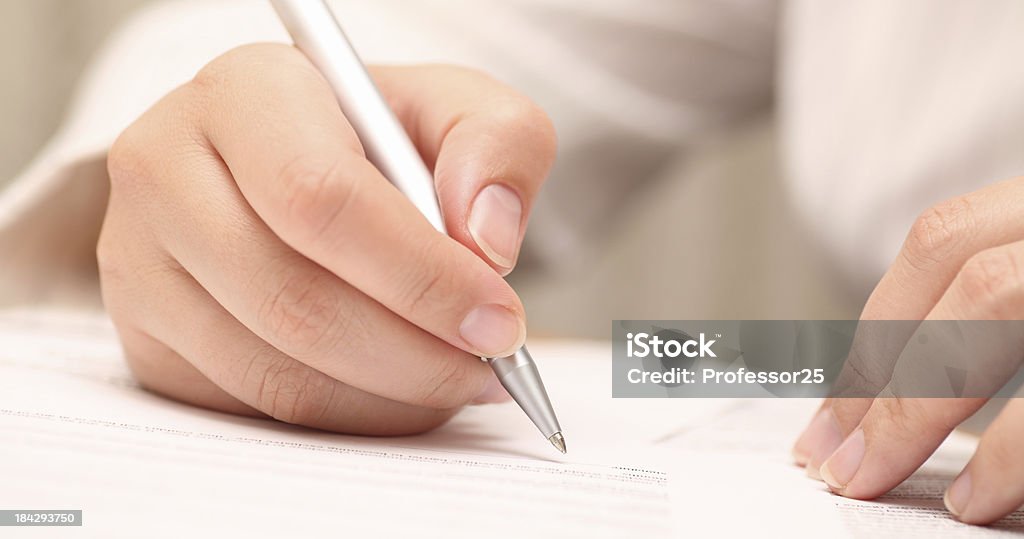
column 558, row 441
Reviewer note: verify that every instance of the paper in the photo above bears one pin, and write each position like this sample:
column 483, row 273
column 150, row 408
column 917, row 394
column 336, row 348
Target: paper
column 77, row 433
column 734, row 477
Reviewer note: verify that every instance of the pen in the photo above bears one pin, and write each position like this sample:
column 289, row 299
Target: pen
column 318, row 35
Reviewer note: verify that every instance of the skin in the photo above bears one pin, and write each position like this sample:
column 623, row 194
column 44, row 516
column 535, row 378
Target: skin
column 254, row 262
column 963, row 260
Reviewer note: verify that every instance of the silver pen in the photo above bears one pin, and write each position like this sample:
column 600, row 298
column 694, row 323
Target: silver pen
column 318, row 35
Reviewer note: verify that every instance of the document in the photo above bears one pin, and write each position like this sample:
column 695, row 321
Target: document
column 76, row 432
column 734, row 477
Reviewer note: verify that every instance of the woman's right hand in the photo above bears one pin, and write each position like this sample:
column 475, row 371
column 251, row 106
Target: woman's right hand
column 253, row 261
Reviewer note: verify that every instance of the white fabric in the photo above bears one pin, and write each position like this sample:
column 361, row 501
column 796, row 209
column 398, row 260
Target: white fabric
column 884, row 107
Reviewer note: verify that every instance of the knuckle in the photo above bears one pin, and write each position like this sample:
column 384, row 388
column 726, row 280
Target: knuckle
column 127, row 160
column 118, row 265
column 895, row 416
column 147, row 150
column 241, row 63
column 992, row 277
column 128, row 263
column 212, row 77
column 892, row 410
column 511, row 111
column 427, row 293
column 303, row 314
column 293, row 393
column 317, row 194
column 519, row 114
column 108, row 261
column 938, row 231
column 447, row 387
column 254, row 75
column 121, row 273
column 909, row 417
column 864, row 374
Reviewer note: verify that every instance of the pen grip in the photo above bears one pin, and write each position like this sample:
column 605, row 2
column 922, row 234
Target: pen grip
column 318, row 35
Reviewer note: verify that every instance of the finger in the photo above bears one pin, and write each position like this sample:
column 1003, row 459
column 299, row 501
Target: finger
column 822, row 432
column 839, row 415
column 490, row 148
column 153, row 364
column 867, row 370
column 940, row 242
column 991, row 486
column 292, row 303
column 257, row 374
column 309, row 313
column 898, row 434
column 895, row 437
column 277, row 126
column 160, row 370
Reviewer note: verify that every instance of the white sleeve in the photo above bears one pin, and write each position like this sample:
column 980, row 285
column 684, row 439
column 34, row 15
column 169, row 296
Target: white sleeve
column 627, row 83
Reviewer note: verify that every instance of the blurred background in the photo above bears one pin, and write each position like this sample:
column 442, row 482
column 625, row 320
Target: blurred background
column 44, row 46
column 755, row 261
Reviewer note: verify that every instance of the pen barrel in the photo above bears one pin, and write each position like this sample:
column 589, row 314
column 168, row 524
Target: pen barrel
column 318, row 35
column 519, row 375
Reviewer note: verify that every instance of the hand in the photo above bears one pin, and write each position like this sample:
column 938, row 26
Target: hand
column 253, row 261
column 963, row 260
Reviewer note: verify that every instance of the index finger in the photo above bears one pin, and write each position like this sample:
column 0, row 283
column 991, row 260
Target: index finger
column 490, row 149
column 939, row 243
column 897, row 434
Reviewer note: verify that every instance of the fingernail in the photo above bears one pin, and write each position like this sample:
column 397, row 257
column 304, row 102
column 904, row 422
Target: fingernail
column 958, row 494
column 818, row 441
column 493, row 330
column 839, row 469
column 494, row 223
column 493, row 393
